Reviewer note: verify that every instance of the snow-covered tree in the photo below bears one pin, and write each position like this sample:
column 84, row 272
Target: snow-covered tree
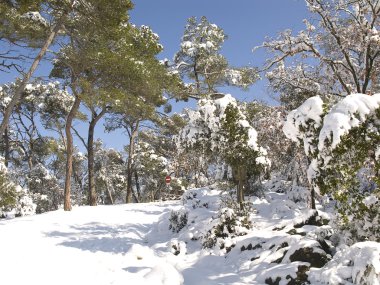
column 150, row 171
column 341, row 142
column 288, row 161
column 46, row 189
column 199, row 60
column 218, row 129
column 22, row 22
column 335, row 55
column 27, row 150
column 110, row 173
column 8, row 194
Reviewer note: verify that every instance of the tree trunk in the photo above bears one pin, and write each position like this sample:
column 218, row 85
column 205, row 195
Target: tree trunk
column 312, row 191
column 109, row 194
column 312, row 198
column 20, row 89
column 131, row 150
column 6, row 147
column 242, row 174
column 138, row 190
column 69, row 153
column 92, row 197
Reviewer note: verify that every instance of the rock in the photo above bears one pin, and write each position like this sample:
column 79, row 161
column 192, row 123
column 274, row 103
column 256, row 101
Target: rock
column 307, row 254
column 269, row 281
column 313, row 220
column 301, row 278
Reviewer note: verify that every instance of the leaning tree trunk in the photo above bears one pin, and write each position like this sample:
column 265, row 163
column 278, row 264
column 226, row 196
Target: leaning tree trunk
column 131, row 151
column 92, row 197
column 6, row 147
column 69, row 153
column 20, row 89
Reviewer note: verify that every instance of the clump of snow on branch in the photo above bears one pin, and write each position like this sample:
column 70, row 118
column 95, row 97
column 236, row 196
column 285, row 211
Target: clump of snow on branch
column 45, row 96
column 298, row 121
column 345, row 115
column 35, row 17
column 303, row 124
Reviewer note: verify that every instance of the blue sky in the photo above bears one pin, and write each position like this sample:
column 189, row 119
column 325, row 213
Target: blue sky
column 246, row 22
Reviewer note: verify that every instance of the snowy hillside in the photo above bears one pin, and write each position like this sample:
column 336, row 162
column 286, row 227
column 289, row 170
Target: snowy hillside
column 179, row 243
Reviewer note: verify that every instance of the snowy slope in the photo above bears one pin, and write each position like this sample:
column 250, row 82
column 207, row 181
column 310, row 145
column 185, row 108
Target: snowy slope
column 132, row 244
column 90, row 245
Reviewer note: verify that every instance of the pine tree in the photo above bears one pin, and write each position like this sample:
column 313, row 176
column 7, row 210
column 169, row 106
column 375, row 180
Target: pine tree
column 199, row 60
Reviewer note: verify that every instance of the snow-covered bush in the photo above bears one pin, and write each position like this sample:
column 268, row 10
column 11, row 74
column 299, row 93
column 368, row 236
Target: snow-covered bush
column 25, row 205
column 190, row 198
column 46, row 190
column 15, row 201
column 233, row 219
column 178, row 220
column 177, row 247
column 8, row 193
column 230, row 224
column 342, row 145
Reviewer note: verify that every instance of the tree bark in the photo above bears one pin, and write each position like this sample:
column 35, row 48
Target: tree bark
column 312, row 198
column 20, row 89
column 131, row 150
column 6, row 147
column 109, row 193
column 69, row 153
column 92, row 197
column 138, row 190
column 242, row 174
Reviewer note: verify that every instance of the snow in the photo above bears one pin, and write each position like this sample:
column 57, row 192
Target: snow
column 99, row 245
column 345, row 115
column 133, row 243
column 310, row 111
column 36, row 17
column 360, row 264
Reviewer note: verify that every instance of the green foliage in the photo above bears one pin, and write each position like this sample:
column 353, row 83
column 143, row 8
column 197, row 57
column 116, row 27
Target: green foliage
column 238, row 150
column 19, row 22
column 351, row 177
column 8, row 194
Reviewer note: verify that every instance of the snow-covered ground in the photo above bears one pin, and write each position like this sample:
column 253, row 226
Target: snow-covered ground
column 132, row 244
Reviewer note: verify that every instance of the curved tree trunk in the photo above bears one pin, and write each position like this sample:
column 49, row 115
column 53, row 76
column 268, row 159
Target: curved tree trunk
column 69, row 153
column 92, row 197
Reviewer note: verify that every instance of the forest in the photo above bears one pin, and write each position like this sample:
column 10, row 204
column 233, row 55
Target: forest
column 283, row 193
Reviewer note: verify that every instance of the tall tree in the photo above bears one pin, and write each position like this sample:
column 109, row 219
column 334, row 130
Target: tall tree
column 200, row 61
column 97, row 26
